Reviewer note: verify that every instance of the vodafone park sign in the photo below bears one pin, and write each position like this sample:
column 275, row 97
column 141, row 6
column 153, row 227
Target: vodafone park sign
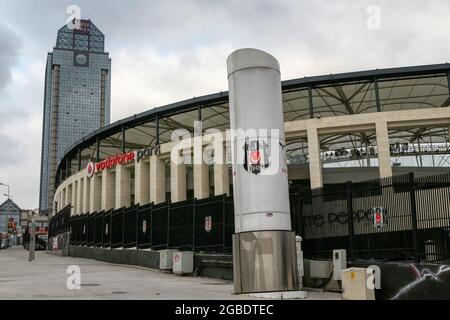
column 120, row 159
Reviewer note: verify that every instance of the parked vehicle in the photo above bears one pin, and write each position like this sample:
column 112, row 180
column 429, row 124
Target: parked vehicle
column 4, row 242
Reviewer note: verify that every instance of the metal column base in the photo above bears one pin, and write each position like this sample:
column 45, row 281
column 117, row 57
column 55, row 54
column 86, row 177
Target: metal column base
column 264, row 261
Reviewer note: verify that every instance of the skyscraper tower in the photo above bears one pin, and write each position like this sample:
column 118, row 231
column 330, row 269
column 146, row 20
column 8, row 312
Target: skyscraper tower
column 76, row 99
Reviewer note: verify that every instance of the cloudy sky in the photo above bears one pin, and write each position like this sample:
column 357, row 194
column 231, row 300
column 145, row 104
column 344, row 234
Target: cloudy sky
column 164, row 51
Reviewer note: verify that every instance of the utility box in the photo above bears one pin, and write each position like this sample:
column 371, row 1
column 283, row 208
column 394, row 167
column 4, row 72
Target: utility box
column 354, row 284
column 166, row 259
column 339, row 263
column 320, row 269
column 183, row 262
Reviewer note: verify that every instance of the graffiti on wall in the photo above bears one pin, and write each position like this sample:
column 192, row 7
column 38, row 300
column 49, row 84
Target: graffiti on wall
column 375, row 216
column 59, row 242
column 424, row 277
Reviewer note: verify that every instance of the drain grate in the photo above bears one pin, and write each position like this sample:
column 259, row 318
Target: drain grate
column 119, row 292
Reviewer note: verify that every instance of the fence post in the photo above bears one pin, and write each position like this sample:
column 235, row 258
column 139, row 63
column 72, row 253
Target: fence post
column 412, row 195
column 137, row 227
column 103, row 231
column 194, row 210
column 94, row 217
column 351, row 232
column 299, row 226
column 151, row 224
column 168, row 223
column 224, row 213
column 123, row 226
column 300, row 219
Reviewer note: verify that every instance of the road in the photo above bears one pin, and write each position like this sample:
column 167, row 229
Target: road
column 46, row 278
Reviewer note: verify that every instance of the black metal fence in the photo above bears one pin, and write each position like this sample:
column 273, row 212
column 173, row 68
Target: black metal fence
column 416, row 222
column 60, row 222
column 200, row 225
column 416, row 219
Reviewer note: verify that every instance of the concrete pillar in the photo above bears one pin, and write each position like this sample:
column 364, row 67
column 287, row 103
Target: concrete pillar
column 108, row 189
column 177, row 179
column 123, row 187
column 142, row 183
column 86, row 194
column 384, row 154
column 73, row 210
column 95, row 193
column 201, row 172
column 201, row 181
column 157, row 180
column 315, row 161
column 60, row 201
column 63, row 198
column 221, row 170
column 69, row 197
column 79, row 206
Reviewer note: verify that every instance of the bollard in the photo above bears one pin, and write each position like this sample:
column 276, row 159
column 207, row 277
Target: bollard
column 263, row 243
column 32, row 241
column 298, row 244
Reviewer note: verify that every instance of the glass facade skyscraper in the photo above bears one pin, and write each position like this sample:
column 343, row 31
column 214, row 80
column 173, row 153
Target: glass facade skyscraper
column 77, row 97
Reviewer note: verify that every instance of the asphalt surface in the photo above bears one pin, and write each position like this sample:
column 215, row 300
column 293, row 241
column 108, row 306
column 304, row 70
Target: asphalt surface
column 47, row 277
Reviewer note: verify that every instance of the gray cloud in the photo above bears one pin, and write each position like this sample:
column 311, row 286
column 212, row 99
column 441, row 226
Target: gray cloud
column 11, row 151
column 9, row 53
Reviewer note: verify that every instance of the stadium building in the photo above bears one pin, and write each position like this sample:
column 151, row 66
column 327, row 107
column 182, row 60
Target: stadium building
column 354, row 126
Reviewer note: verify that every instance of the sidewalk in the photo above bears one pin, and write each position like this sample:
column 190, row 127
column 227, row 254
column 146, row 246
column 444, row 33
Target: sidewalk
column 45, row 278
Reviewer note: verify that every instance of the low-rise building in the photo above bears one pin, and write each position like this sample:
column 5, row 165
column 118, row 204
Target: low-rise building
column 10, row 214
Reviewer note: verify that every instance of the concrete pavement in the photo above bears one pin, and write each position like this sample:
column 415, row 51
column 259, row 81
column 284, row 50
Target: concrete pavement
column 46, row 277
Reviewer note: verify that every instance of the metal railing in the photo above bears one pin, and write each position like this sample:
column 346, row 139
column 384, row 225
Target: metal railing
column 200, row 225
column 416, row 222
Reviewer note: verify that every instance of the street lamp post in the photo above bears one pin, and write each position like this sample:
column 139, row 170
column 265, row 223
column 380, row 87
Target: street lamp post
column 7, row 211
column 2, row 184
column 31, row 255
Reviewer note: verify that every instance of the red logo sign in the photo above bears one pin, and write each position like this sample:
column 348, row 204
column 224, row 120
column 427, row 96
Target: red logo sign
column 109, row 163
column 90, row 169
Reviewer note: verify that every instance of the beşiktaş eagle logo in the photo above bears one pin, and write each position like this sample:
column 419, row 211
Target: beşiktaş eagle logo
column 208, row 224
column 144, row 226
column 378, row 216
column 256, row 157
